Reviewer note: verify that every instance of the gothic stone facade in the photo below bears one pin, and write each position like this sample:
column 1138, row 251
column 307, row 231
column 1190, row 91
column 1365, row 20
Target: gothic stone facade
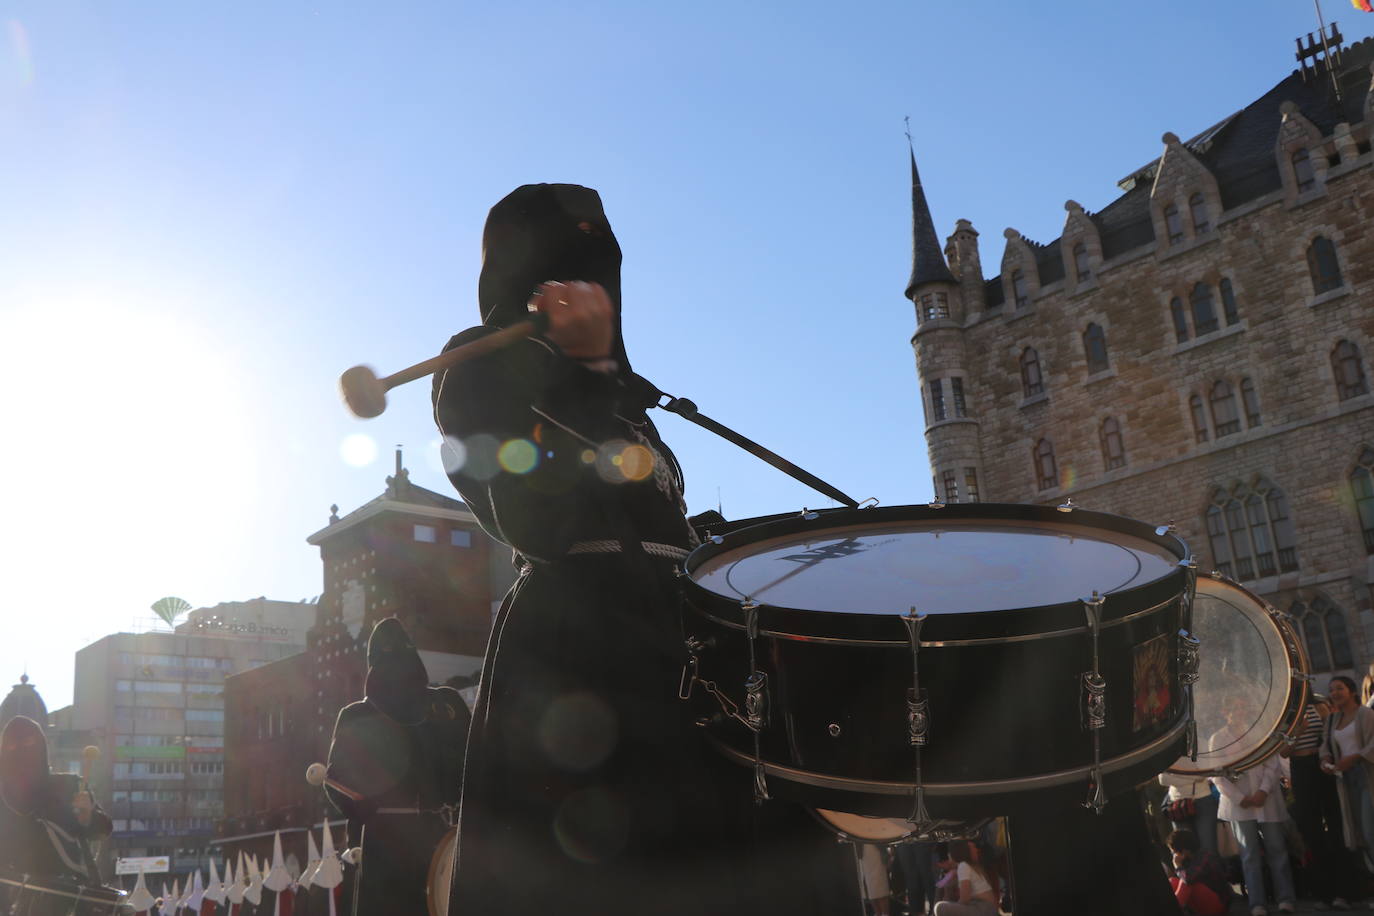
column 1198, row 352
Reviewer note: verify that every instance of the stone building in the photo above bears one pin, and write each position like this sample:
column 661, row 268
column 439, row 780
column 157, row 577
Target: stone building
column 1198, row 351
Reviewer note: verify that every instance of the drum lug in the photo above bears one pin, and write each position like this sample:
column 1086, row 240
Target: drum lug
column 1067, row 505
column 1301, row 676
column 808, row 515
column 1167, row 529
column 1189, row 657
column 756, row 701
column 917, row 718
column 1094, row 701
column 936, row 503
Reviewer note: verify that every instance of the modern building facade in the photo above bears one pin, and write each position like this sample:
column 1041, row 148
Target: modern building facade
column 154, row 703
column 1197, row 352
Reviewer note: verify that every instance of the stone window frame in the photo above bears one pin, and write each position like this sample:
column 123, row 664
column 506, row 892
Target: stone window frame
column 1324, row 282
column 1360, row 479
column 1253, row 523
column 1316, row 619
column 1297, row 133
column 971, row 483
column 950, row 478
column 1029, row 388
column 1221, row 297
column 1201, row 296
column 935, row 393
column 1197, row 413
column 1304, row 170
column 1043, row 465
column 1173, row 224
column 1345, row 353
column 1224, row 408
column 1250, row 403
column 1199, row 207
column 958, row 396
column 1020, row 290
column 1082, row 265
column 1109, row 431
column 1096, row 342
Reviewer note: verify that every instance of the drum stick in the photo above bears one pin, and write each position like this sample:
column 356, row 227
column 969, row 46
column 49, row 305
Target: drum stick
column 317, row 774
column 89, row 755
column 365, row 393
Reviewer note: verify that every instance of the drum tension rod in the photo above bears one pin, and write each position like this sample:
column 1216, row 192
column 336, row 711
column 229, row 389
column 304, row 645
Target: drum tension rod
column 1095, row 702
column 917, row 718
column 755, row 698
column 1189, row 651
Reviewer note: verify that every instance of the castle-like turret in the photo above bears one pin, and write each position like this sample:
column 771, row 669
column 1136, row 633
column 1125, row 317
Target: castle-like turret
column 944, row 303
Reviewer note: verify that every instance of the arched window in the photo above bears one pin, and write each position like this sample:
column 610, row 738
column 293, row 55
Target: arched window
column 1202, row 220
column 1199, row 418
column 1348, row 369
column 1362, row 490
column 1323, row 266
column 1204, row 313
column 1303, row 175
column 1042, row 456
column 1095, row 348
column 1228, row 302
column 1113, row 448
column 1180, row 315
column 1250, row 400
column 1174, row 224
column 1018, row 289
column 1080, row 263
column 1031, row 381
column 1250, row 532
column 1225, row 419
column 1325, row 633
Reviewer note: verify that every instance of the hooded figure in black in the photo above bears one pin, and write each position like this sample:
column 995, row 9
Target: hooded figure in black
column 588, row 788
column 401, row 748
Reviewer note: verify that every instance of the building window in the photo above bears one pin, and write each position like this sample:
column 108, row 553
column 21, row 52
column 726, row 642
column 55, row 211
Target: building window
column 956, row 385
column 1324, row 632
column 1323, row 266
column 1113, row 448
column 1031, row 381
column 1204, row 313
column 1362, row 490
column 951, row 487
column 458, row 537
column 1202, row 220
column 1046, row 476
column 1174, row 224
column 1018, row 289
column 1250, row 400
column 1095, row 348
column 1080, row 263
column 971, row 488
column 1225, row 417
column 1228, row 302
column 1348, row 369
column 425, row 534
column 934, row 305
column 1199, row 418
column 1251, row 533
column 1303, row 174
column 937, row 399
column 1180, row 315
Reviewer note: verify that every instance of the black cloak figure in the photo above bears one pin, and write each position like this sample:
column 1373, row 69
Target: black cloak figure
column 588, row 788
column 401, row 748
column 51, row 819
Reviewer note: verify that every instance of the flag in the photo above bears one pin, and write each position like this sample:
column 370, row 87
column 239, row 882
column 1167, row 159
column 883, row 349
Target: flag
column 1362, row 5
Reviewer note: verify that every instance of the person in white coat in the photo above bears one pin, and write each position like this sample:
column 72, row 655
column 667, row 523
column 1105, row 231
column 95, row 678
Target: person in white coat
column 1253, row 805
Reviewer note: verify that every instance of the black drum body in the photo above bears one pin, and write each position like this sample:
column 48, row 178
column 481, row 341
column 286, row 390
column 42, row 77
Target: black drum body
column 944, row 662
column 43, row 896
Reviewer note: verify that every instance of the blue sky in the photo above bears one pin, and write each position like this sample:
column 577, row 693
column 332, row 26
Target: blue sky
column 211, row 210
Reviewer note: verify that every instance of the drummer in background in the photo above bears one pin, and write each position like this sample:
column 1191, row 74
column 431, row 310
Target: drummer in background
column 1317, row 811
column 1254, row 806
column 1348, row 750
column 1191, row 804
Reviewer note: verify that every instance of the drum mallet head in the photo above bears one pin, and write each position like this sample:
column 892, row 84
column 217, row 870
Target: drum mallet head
column 316, row 773
column 363, row 392
column 90, row 753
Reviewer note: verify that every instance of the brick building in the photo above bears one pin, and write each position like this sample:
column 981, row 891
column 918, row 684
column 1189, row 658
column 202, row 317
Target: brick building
column 1197, row 351
column 411, row 553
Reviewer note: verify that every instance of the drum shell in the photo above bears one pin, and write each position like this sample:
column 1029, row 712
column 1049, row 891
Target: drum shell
column 1004, row 688
column 32, row 896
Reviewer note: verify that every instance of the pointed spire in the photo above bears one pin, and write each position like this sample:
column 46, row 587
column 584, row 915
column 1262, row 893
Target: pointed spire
column 927, row 260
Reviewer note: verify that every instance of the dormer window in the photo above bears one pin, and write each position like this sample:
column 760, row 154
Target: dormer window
column 1173, row 223
column 934, row 305
column 1080, row 263
column 1202, row 220
column 1303, row 174
column 1018, row 289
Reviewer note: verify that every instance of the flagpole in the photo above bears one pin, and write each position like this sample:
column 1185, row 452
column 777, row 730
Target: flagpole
column 1326, row 51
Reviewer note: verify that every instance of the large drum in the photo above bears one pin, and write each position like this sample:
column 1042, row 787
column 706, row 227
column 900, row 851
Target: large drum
column 1252, row 683
column 44, row 896
column 942, row 662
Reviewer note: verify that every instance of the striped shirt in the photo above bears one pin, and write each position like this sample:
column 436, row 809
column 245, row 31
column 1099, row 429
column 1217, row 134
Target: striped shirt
column 1311, row 736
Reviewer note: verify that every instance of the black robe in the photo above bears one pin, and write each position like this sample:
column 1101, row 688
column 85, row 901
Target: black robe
column 398, row 767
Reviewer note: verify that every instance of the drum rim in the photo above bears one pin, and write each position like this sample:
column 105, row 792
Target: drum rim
column 1004, row 786
column 947, row 629
column 59, row 887
column 912, row 836
column 1297, row 701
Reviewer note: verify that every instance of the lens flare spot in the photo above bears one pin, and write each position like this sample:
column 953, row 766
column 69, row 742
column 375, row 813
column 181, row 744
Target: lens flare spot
column 578, row 732
column 358, row 450
column 23, row 59
column 518, row 456
column 591, row 825
column 448, row 454
column 636, row 462
column 1068, row 476
column 480, row 458
column 588, row 456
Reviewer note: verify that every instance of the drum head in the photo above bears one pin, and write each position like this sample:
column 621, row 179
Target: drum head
column 884, row 831
column 939, row 564
column 1246, row 698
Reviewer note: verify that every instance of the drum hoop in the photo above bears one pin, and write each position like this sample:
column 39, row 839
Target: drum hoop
column 436, row 898
column 959, row 789
column 945, row 643
column 973, row 825
column 1298, row 662
column 116, row 896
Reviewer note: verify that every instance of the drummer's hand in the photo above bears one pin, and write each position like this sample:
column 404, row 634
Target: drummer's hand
column 579, row 318
column 83, row 806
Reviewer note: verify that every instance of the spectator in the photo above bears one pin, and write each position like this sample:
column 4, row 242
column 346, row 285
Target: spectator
column 977, row 895
column 1192, row 805
column 1316, row 811
column 1348, row 749
column 1199, row 880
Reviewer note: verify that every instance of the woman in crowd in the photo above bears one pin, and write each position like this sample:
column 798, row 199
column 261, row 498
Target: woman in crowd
column 1348, row 750
column 977, row 893
column 1316, row 811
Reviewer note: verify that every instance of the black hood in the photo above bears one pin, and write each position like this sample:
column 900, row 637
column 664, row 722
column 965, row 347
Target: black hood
column 397, row 682
column 23, row 765
column 543, row 232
